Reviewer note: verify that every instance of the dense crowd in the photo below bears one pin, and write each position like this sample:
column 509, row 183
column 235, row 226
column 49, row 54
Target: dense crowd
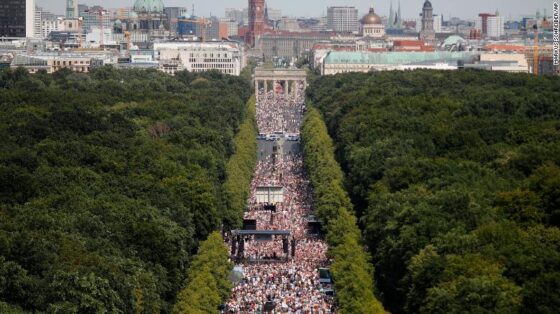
column 264, row 250
column 272, row 276
column 278, row 112
column 288, row 173
column 292, row 286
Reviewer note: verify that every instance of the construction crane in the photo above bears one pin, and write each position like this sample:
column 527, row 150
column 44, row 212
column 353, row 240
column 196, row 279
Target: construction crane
column 204, row 23
column 536, row 50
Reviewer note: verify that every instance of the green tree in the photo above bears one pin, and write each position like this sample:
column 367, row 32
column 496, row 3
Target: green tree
column 545, row 181
column 208, row 282
column 352, row 272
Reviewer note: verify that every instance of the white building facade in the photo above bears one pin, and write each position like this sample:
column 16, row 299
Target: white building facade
column 30, row 18
column 342, row 19
column 226, row 57
column 51, row 63
column 496, row 26
column 48, row 26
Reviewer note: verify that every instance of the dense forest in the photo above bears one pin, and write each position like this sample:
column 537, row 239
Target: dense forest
column 108, row 183
column 455, row 178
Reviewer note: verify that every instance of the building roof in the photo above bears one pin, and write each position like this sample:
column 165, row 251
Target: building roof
column 396, row 58
column 288, row 34
column 408, row 42
column 427, row 4
column 154, row 6
column 411, row 45
column 505, row 47
column 334, row 46
column 453, row 40
column 371, row 18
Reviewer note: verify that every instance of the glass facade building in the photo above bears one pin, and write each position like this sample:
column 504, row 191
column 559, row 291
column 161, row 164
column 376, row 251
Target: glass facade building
column 17, row 18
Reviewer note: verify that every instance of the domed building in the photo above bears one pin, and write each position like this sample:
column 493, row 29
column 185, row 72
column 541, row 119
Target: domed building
column 151, row 14
column 118, row 27
column 132, row 23
column 371, row 25
column 148, row 6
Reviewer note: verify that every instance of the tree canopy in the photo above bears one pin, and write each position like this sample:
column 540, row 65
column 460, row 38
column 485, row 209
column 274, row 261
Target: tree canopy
column 208, row 281
column 455, row 180
column 108, row 181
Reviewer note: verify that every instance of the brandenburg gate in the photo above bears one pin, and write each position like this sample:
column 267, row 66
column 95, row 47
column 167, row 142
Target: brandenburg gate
column 288, row 78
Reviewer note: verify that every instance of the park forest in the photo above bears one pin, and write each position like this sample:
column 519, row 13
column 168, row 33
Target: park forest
column 108, row 182
column 115, row 186
column 455, row 178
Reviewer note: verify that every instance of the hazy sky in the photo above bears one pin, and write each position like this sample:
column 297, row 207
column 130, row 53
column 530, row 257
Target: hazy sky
column 410, row 8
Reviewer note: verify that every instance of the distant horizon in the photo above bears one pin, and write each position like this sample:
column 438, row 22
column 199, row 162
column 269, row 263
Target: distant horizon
column 410, row 8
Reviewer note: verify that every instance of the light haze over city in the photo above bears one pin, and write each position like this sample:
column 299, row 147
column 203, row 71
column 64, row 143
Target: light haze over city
column 410, row 8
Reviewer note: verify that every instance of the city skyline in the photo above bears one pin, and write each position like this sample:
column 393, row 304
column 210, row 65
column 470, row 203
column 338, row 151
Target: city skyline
column 410, row 8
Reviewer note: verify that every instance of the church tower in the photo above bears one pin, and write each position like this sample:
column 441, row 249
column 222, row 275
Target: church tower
column 399, row 17
column 427, row 32
column 391, row 16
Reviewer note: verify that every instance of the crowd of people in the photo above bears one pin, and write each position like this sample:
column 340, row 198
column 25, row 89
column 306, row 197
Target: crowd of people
column 287, row 172
column 264, row 250
column 274, row 279
column 278, row 112
column 293, row 287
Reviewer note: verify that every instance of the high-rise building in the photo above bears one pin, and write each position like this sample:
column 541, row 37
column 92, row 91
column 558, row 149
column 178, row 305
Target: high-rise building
column 71, row 9
column 173, row 14
column 342, row 19
column 490, row 25
column 245, row 18
column 95, row 17
column 482, row 22
column 82, row 8
column 46, row 15
column 17, row 18
column 217, row 30
column 236, row 15
column 37, row 21
column 189, row 27
column 274, row 14
column 256, row 22
column 496, row 26
column 232, row 26
column 427, row 33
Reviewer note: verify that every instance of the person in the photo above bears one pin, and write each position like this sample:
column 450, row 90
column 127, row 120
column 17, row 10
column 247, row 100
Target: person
column 291, row 284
